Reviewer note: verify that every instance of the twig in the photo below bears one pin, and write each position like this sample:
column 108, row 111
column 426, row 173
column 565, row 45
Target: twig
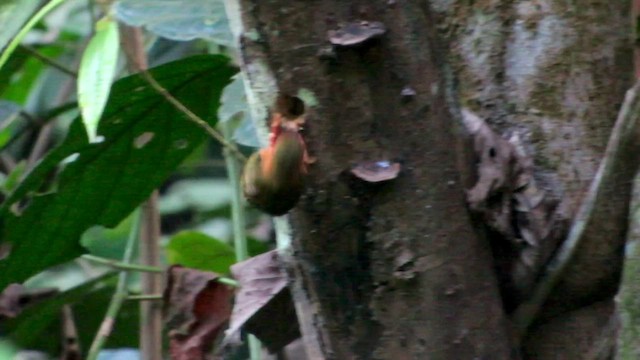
column 146, row 297
column 227, row 281
column 192, row 116
column 150, row 312
column 122, row 266
column 7, row 163
column 38, row 122
column 49, row 61
column 146, row 75
column 142, row 268
column 237, row 211
column 92, row 14
column 44, row 135
column 626, row 131
column 70, row 343
column 40, row 146
column 119, row 296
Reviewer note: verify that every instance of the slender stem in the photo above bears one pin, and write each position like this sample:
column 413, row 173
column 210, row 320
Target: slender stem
column 56, row 111
column 70, row 345
column 146, row 297
column 222, row 280
column 7, row 163
column 193, row 117
column 255, row 348
column 146, row 75
column 120, row 295
column 237, row 210
column 44, row 136
column 17, row 39
column 238, row 219
column 150, row 312
column 49, row 61
column 227, row 281
column 36, row 122
column 121, row 265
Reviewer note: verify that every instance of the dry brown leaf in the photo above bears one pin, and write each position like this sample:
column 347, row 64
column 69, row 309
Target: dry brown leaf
column 16, row 297
column 197, row 308
column 513, row 206
column 263, row 305
column 10, row 300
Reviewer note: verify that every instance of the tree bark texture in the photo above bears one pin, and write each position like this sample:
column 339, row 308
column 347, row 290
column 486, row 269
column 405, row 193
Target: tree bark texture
column 555, row 73
column 395, row 270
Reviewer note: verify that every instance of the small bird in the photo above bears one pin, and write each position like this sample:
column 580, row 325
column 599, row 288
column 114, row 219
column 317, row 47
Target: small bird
column 273, row 177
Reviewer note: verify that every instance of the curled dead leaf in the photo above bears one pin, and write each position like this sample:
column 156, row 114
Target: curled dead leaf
column 197, row 308
column 263, row 304
column 511, row 203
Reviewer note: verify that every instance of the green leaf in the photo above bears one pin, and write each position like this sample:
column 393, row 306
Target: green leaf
column 13, row 15
column 145, row 139
column 180, row 20
column 108, row 243
column 256, row 247
column 97, row 70
column 199, row 251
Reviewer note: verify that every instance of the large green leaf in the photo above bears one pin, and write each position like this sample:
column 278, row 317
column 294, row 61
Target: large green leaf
column 178, row 19
column 199, row 251
column 97, row 70
column 145, row 139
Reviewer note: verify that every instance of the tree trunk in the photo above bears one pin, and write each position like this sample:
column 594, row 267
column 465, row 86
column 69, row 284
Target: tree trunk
column 399, row 269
